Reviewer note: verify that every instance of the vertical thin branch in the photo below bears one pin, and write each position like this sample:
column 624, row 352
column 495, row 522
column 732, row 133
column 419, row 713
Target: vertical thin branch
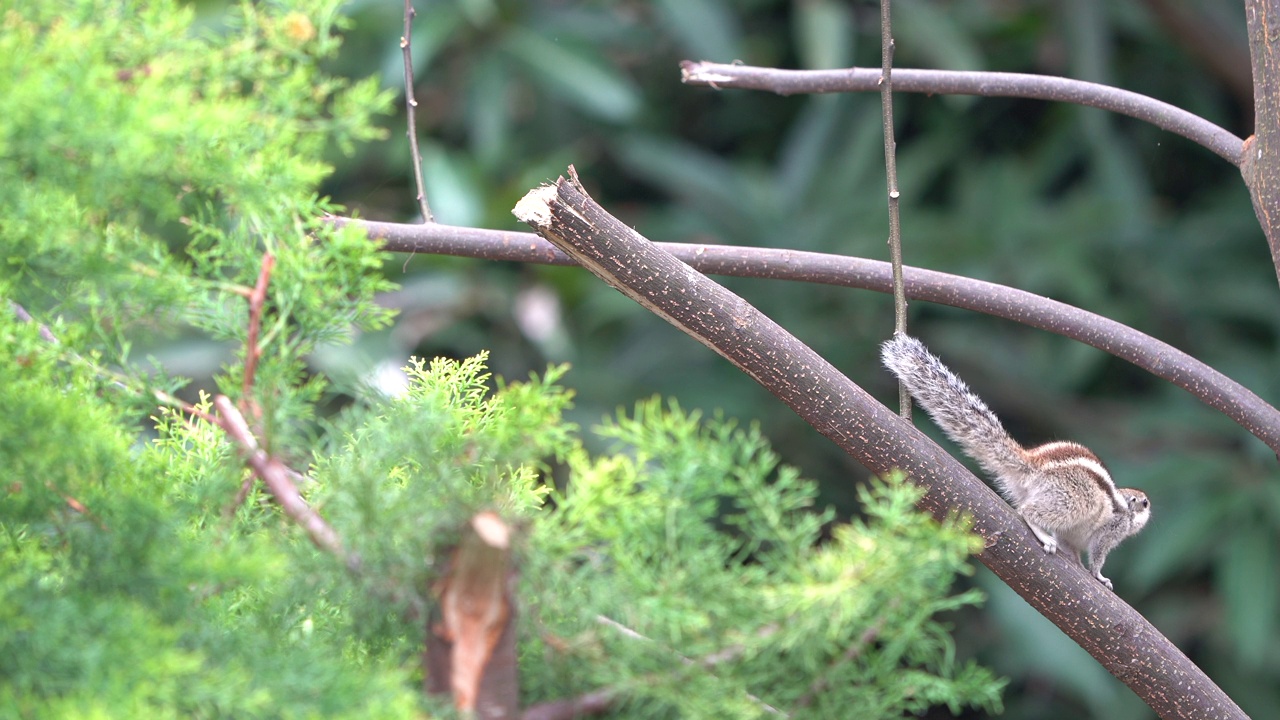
column 252, row 349
column 411, row 105
column 891, row 178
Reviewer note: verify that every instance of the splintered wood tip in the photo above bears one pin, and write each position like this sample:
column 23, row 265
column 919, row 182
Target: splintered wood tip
column 535, row 207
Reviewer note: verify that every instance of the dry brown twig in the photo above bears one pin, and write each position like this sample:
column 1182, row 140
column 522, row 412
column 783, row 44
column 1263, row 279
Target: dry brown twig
column 279, row 481
column 257, row 298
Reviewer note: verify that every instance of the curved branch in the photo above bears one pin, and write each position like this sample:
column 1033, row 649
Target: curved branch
column 987, row 84
column 1159, row 358
column 1113, row 632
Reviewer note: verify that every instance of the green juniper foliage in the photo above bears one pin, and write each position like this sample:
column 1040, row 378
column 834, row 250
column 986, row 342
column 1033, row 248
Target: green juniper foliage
column 149, row 163
column 689, row 571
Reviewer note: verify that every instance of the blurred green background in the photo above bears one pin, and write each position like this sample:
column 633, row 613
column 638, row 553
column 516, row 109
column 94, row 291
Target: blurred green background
column 1103, row 212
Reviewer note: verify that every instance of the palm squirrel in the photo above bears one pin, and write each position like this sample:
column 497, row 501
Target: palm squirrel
column 1061, row 489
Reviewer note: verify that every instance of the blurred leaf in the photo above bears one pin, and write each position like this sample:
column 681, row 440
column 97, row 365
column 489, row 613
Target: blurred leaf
column 576, row 74
column 1047, row 654
column 936, row 35
column 539, row 169
column 842, row 208
column 1248, row 583
column 706, row 29
column 807, row 146
column 434, row 27
column 479, row 12
column 488, row 111
column 824, row 34
column 700, row 178
column 451, row 186
column 1174, row 542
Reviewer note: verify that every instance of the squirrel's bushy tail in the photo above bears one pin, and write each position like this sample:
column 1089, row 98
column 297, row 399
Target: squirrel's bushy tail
column 961, row 414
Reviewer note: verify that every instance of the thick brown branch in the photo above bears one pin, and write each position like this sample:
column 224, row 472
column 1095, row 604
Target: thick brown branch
column 987, row 84
column 1260, row 161
column 1161, row 359
column 1114, row 633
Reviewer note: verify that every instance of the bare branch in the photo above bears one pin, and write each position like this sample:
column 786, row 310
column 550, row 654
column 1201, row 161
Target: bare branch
column 45, row 333
column 1109, row 629
column 411, row 107
column 987, row 84
column 1159, row 358
column 891, row 180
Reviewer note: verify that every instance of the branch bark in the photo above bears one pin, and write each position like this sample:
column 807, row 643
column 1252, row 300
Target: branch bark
column 1159, row 358
column 1110, row 630
column 987, row 84
column 1260, row 159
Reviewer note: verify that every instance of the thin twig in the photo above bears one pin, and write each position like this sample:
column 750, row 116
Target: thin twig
column 596, row 702
column 77, row 506
column 170, row 401
column 708, row 662
column 45, row 333
column 278, row 480
column 411, row 105
column 252, row 349
column 891, row 180
column 281, row 480
column 246, row 486
column 1156, row 357
column 853, row 652
column 986, row 84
